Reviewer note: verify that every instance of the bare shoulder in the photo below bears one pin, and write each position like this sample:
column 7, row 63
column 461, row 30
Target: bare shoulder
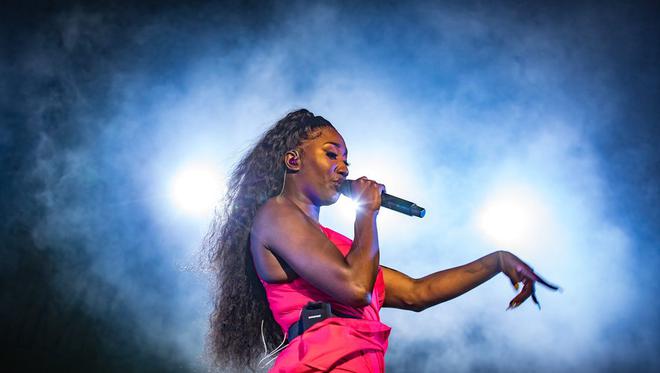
column 283, row 241
column 265, row 226
column 283, row 228
column 287, row 243
column 273, row 217
column 275, row 205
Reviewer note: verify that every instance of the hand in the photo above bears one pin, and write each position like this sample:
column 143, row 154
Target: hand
column 518, row 271
column 367, row 193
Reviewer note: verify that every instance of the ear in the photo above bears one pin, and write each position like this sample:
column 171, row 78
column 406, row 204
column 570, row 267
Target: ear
column 292, row 160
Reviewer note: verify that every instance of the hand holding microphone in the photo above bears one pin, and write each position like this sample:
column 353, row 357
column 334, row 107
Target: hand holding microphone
column 387, row 201
column 365, row 191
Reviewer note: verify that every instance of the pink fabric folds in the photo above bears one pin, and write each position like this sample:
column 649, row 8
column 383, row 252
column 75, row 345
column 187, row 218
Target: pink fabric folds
column 335, row 344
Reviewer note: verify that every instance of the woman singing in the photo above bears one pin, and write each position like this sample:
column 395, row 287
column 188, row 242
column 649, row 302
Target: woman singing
column 272, row 258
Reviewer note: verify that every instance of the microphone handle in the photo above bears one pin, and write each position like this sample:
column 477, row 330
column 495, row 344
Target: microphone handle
column 388, row 201
column 401, row 205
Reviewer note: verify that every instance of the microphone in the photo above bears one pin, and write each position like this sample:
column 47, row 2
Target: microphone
column 388, row 201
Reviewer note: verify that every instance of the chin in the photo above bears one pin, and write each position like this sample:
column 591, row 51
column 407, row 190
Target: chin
column 331, row 200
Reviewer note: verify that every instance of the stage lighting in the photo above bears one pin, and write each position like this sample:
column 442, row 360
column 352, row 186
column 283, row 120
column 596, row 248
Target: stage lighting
column 347, row 206
column 511, row 217
column 196, row 189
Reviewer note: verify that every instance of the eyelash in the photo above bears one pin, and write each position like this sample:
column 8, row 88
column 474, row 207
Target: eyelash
column 334, row 156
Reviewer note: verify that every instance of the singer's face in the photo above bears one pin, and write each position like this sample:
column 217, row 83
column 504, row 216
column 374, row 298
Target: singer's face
column 324, row 166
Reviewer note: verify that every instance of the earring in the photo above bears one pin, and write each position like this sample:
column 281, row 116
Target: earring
column 294, row 161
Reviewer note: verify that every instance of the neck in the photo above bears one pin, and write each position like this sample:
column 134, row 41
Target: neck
column 293, row 193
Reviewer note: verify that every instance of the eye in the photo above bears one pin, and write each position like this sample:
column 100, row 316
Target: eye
column 333, row 155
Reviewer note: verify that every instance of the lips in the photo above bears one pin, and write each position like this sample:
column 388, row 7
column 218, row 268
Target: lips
column 338, row 183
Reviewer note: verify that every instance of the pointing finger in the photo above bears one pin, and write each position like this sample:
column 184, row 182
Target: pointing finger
column 536, row 301
column 545, row 283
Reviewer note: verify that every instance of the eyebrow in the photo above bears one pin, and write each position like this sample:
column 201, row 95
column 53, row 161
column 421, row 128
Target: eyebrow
column 337, row 145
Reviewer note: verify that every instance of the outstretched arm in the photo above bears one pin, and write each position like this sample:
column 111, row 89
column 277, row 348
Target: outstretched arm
column 402, row 291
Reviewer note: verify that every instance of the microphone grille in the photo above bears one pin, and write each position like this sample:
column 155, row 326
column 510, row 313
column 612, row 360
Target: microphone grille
column 345, row 188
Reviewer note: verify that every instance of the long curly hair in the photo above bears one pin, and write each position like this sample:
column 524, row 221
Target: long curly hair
column 239, row 300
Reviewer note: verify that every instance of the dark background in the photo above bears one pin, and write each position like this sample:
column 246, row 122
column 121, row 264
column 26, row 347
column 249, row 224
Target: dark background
column 73, row 216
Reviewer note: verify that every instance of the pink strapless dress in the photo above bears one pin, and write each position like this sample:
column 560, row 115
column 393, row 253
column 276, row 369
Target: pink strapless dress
column 334, row 344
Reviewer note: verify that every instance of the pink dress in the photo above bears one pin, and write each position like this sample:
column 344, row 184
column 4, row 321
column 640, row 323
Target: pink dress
column 334, row 344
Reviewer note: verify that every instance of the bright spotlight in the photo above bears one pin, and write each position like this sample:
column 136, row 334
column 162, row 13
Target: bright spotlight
column 511, row 217
column 196, row 189
column 347, row 206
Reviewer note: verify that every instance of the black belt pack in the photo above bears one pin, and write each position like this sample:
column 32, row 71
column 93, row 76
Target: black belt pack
column 312, row 313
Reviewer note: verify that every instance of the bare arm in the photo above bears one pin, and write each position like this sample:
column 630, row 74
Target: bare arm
column 287, row 232
column 402, row 291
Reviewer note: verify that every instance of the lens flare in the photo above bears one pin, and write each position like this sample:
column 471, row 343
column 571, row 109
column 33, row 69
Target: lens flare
column 347, row 207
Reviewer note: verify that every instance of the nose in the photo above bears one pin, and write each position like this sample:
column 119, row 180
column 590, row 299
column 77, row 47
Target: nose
column 342, row 169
